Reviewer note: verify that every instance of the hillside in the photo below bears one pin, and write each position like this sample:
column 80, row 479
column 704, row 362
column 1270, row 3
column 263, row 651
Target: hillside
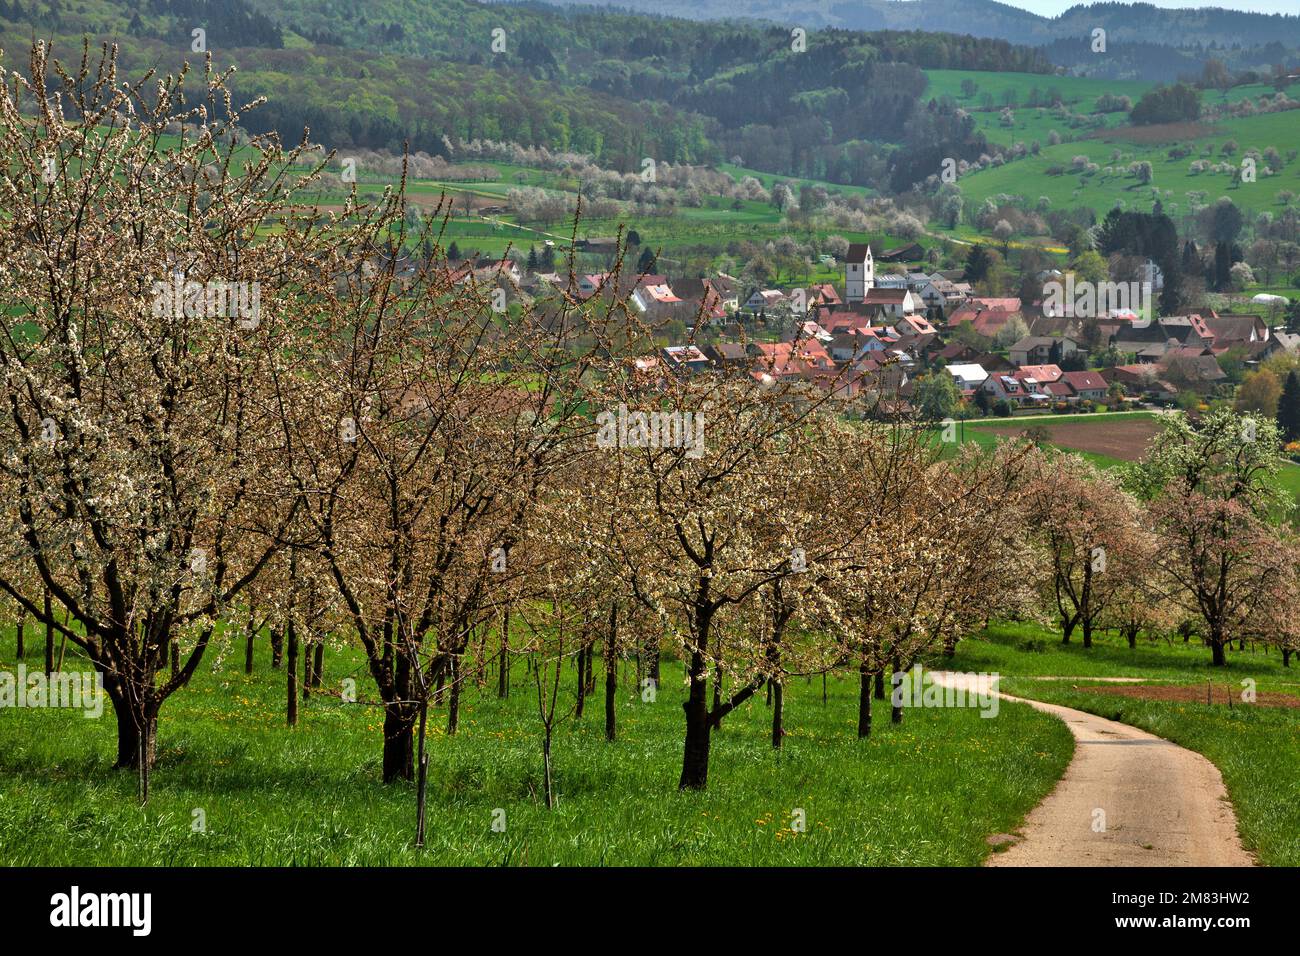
column 617, row 86
column 1145, row 42
column 1176, row 179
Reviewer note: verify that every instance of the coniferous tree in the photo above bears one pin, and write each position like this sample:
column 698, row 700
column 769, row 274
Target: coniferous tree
column 1288, row 408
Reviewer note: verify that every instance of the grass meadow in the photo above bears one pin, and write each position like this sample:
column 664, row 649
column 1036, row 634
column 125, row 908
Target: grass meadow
column 926, row 792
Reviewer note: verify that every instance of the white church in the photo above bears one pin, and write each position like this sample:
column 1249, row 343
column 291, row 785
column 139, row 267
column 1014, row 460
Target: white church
column 859, row 272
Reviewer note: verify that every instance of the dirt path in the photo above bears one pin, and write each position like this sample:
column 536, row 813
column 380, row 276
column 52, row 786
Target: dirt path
column 1128, row 798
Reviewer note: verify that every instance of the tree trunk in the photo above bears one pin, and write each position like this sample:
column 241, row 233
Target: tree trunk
column 695, row 756
column 277, row 648
column 306, row 672
column 453, row 696
column 581, row 664
column 546, row 768
column 248, row 653
column 1087, row 633
column 717, row 684
column 895, row 711
column 1067, row 628
column 879, row 692
column 1286, row 657
column 1132, row 634
column 49, row 636
column 291, row 712
column 18, row 629
column 611, row 672
column 399, row 752
column 1218, row 658
column 503, row 669
column 137, row 732
column 319, row 667
column 422, row 786
column 778, row 731
column 864, row 699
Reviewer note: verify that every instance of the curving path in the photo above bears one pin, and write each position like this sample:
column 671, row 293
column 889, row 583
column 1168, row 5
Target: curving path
column 1160, row 804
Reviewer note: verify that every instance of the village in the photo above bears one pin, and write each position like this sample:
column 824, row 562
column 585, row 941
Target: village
column 887, row 329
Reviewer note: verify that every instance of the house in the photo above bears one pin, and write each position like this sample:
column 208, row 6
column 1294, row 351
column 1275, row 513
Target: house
column 790, row 359
column 852, row 317
column 879, row 373
column 910, row 325
column 727, row 355
column 653, row 294
column 1040, row 373
column 808, row 329
column 859, row 272
column 763, row 299
column 987, row 316
column 684, row 359
column 940, row 294
column 1037, row 349
column 1141, row 380
column 968, row 376
column 891, row 280
column 589, row 285
column 1086, row 385
column 1191, row 367
column 911, row 252
column 1134, row 337
column 1234, row 330
column 824, row 294
column 851, row 344
column 894, row 303
column 701, row 298
column 727, row 289
column 598, row 244
column 1008, row 388
column 1286, row 341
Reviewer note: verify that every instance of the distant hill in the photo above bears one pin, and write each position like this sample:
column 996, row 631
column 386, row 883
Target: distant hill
column 1144, row 41
column 1136, row 22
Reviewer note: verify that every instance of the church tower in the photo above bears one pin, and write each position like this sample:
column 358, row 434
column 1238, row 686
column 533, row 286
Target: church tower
column 859, row 272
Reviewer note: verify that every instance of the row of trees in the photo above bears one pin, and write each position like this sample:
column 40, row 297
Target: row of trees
column 367, row 455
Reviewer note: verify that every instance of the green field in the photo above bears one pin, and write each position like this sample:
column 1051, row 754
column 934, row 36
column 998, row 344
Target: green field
column 927, row 792
column 1101, row 191
column 1079, row 95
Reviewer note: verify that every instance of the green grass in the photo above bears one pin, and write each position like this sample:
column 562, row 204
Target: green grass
column 1079, row 94
column 1027, row 649
column 1172, row 177
column 927, row 792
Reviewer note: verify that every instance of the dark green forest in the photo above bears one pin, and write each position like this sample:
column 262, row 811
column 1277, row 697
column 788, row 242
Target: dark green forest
column 847, row 107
